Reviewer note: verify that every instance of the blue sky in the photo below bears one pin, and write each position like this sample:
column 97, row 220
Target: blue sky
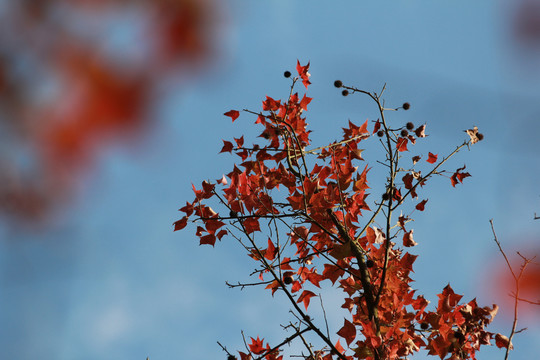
column 110, row 280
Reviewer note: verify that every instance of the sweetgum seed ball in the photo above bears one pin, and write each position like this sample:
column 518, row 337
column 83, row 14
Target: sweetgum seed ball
column 233, row 213
column 385, row 196
column 380, row 133
column 406, row 106
column 287, row 74
column 345, row 92
column 404, row 133
column 370, row 263
column 480, row 136
column 410, row 126
column 288, row 279
column 231, row 357
column 424, row 325
column 338, row 83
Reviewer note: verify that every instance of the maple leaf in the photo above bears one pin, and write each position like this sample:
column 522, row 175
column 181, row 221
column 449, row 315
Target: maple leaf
column 458, row 176
column 305, row 101
column 447, row 300
column 251, row 224
column 341, row 251
column 209, row 239
column 244, row 356
column 180, row 224
column 348, row 332
column 256, row 346
column 303, row 72
column 270, row 104
column 408, row 239
column 376, row 127
column 375, row 235
column 407, row 180
column 401, row 144
column 234, row 114
column 332, row 272
column 420, row 206
column 305, row 297
column 432, row 158
column 339, row 347
column 271, row 251
column 227, row 146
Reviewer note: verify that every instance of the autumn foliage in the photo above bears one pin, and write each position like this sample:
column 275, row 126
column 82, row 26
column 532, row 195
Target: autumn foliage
column 69, row 88
column 306, row 216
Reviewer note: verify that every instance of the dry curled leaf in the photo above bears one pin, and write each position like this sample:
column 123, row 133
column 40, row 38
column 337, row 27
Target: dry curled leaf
column 473, row 134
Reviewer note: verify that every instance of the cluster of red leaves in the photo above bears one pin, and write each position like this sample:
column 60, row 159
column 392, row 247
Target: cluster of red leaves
column 321, row 204
column 96, row 97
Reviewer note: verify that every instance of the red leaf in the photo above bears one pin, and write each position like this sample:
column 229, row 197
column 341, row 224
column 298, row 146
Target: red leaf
column 402, row 144
column 458, row 176
column 305, row 101
column 227, row 146
column 348, row 332
column 303, row 72
column 377, row 126
column 305, row 297
column 209, row 239
column 407, row 181
column 420, row 206
column 180, row 224
column 339, row 347
column 244, row 356
column 432, row 158
column 213, row 225
column 256, row 346
column 270, row 104
column 234, row 114
column 271, row 251
column 408, row 239
column 252, row 225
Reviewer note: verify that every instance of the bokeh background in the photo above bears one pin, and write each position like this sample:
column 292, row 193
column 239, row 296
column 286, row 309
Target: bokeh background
column 110, row 109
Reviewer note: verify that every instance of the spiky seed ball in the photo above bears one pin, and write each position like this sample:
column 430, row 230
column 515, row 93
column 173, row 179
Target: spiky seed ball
column 288, row 278
column 370, row 263
column 404, row 133
column 345, row 92
column 231, row 357
column 380, row 133
column 287, row 74
column 480, row 136
column 385, row 196
column 410, row 126
column 338, row 83
column 424, row 326
column 233, row 214
column 406, row 106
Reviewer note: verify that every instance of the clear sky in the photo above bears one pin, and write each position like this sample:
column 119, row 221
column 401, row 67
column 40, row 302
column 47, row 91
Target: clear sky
column 110, row 280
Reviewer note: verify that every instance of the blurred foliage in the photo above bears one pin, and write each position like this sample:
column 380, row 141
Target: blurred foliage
column 77, row 76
